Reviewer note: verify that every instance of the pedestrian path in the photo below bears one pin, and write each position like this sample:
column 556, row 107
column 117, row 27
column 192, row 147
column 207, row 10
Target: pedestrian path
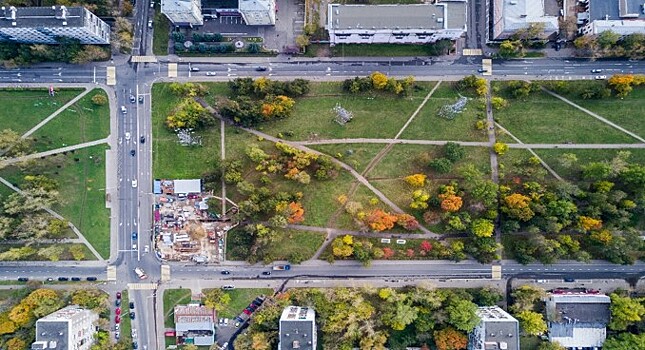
column 55, row 114
column 53, row 152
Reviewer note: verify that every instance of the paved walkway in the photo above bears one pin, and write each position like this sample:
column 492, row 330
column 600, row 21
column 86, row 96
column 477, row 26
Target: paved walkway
column 490, row 122
column 55, row 114
column 604, row 120
column 60, row 217
column 53, row 151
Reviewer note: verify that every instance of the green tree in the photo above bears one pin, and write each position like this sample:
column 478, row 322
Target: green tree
column 525, row 298
column 454, row 151
column 99, row 99
column 216, row 299
column 531, row 322
column 482, row 228
column 624, row 341
column 608, row 39
column 624, row 312
column 52, row 253
column 462, row 314
column 547, row 345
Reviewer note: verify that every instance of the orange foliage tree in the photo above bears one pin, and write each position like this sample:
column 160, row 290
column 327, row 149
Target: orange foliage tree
column 379, row 220
column 450, row 339
column 587, row 224
column 407, row 221
column 450, row 202
column 517, row 205
column 296, row 213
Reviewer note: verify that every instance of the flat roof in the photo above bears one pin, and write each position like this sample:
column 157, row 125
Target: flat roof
column 511, row 15
column 616, row 9
column 442, row 15
column 47, row 16
column 187, row 186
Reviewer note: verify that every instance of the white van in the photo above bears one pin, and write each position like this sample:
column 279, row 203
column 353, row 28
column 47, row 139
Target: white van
column 140, row 273
column 124, row 110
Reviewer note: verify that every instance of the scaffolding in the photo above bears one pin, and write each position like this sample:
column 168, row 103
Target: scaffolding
column 343, row 116
column 451, row 111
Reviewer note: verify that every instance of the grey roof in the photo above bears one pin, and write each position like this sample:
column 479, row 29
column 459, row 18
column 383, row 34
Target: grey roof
column 588, row 313
column 257, row 12
column 183, row 12
column 27, row 17
column 297, row 328
column 52, row 331
column 616, row 9
column 443, row 15
column 511, row 15
column 499, row 327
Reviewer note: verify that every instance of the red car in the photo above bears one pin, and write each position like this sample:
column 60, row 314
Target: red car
column 118, row 295
column 117, row 319
column 247, row 312
column 117, row 311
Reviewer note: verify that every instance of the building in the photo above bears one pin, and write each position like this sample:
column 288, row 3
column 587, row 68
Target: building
column 578, row 320
column 195, row 324
column 297, row 328
column 511, row 15
column 623, row 17
column 43, row 25
column 70, row 328
column 257, row 12
column 497, row 330
column 396, row 24
column 183, row 13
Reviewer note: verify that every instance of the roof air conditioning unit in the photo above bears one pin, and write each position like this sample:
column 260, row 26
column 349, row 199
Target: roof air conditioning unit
column 439, row 20
column 513, row 2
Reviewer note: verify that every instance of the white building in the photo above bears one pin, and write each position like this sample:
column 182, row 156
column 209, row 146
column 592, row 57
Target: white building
column 195, row 324
column 511, row 15
column 622, row 17
column 42, row 25
column 183, row 13
column 578, row 320
column 257, row 12
column 70, row 328
column 497, row 330
column 297, row 329
column 396, row 24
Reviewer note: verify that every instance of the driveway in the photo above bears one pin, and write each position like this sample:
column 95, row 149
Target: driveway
column 289, row 23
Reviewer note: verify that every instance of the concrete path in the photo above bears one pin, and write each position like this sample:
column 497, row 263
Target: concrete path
column 336, row 232
column 60, row 217
column 53, row 151
column 490, row 122
column 604, row 120
column 55, row 114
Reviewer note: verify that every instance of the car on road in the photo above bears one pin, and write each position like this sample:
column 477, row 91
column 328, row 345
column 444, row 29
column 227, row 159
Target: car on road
column 23, row 279
column 124, row 110
column 127, row 135
column 150, row 23
column 226, row 272
column 117, row 335
column 118, row 295
column 600, row 77
column 76, row 279
column 226, row 322
column 482, row 70
column 134, row 236
column 117, row 327
column 131, row 305
column 261, row 69
column 266, row 273
column 140, row 98
column 117, row 303
column 117, row 311
column 596, row 71
column 210, row 74
column 134, row 183
column 569, row 279
column 91, row 279
column 152, row 4
column 117, row 319
column 133, row 99
column 135, row 345
column 146, row 249
column 63, row 279
column 142, row 139
column 141, row 274
column 133, row 152
column 194, row 69
column 228, row 287
column 49, row 279
column 132, row 315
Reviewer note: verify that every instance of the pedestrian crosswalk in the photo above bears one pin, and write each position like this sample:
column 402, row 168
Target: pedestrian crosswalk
column 111, row 273
column 165, row 273
column 172, row 70
column 496, row 272
column 111, row 76
column 142, row 286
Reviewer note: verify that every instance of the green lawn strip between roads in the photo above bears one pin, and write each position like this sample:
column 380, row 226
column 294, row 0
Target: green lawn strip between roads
column 81, row 122
column 545, row 119
column 25, row 108
column 385, row 50
column 161, row 32
column 126, row 323
column 171, row 298
column 240, row 299
column 289, row 242
column 82, row 191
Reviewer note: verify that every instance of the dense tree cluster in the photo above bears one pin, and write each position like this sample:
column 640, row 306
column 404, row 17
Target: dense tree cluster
column 451, row 153
column 473, row 83
column 611, row 44
column 370, row 319
column 68, row 50
column 262, row 87
column 378, row 81
column 188, row 113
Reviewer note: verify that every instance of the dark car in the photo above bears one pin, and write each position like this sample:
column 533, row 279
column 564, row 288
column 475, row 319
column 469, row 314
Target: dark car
column 226, row 272
column 91, row 279
column 261, row 69
column 256, row 302
column 76, row 279
column 23, row 279
column 134, row 236
column 569, row 279
column 140, row 98
column 117, row 303
column 132, row 305
column 142, row 139
column 63, row 279
column 118, row 295
column 238, row 319
column 135, row 345
column 266, row 273
column 133, row 152
column 133, row 99
column 132, row 315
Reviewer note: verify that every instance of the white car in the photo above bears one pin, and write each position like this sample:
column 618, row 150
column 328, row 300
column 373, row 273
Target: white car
column 117, row 327
column 127, row 135
column 210, row 74
column 140, row 273
column 134, row 184
column 134, row 246
column 600, row 77
column 124, row 110
column 150, row 24
column 146, row 249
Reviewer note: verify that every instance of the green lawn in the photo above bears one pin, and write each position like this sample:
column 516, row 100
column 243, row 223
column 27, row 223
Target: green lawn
column 388, row 50
column 126, row 323
column 64, row 256
column 529, row 343
column 545, row 119
column 289, row 242
column 161, row 32
column 81, row 178
column 240, row 299
column 23, row 109
column 170, row 160
column 81, row 122
column 172, row 297
column 585, row 156
column 356, row 155
column 313, row 115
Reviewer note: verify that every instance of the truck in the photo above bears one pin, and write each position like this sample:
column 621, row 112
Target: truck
column 282, row 267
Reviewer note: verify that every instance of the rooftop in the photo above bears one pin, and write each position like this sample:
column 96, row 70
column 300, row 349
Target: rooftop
column 578, row 308
column 183, row 11
column 297, row 313
column 257, row 12
column 500, row 330
column 48, row 16
column 67, row 313
column 616, row 9
column 442, row 15
column 194, row 317
column 511, row 15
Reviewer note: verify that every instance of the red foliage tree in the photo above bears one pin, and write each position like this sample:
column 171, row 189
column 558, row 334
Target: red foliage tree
column 426, row 246
column 407, row 221
column 410, row 253
column 387, row 253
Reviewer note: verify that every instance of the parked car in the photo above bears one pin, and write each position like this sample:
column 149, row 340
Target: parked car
column 63, row 279
column 226, row 272
column 134, row 236
column 91, row 279
column 247, row 311
column 142, row 139
column 118, row 295
column 117, row 311
column 194, row 69
column 228, row 287
column 23, row 279
column 117, row 327
column 150, row 23
column 140, row 98
column 210, row 74
column 133, row 152
column 131, row 305
column 482, row 70
column 600, row 77
column 569, row 279
column 76, row 279
column 133, row 99
column 117, row 303
column 127, row 135
column 266, row 273
column 261, row 69
column 135, row 345
column 117, row 319
column 132, row 315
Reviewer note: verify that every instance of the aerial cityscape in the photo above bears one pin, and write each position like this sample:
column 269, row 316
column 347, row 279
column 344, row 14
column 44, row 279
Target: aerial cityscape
column 322, row 174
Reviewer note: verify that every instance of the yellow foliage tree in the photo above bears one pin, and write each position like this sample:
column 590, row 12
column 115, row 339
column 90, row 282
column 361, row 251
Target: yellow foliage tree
column 517, row 205
column 379, row 80
column 602, row 236
column 416, row 180
column 7, row 327
column 16, row 344
column 587, row 223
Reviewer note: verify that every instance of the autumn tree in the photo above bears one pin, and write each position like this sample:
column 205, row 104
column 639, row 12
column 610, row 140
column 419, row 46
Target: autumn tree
column 407, row 221
column 379, row 220
column 451, row 202
column 16, row 343
column 420, row 199
column 531, row 322
column 517, row 206
column 342, row 247
column 77, row 251
column 525, row 297
column 587, row 224
column 277, row 107
column 547, row 345
column 482, row 228
column 188, row 114
column 216, row 299
column 99, row 99
column 379, row 80
column 622, row 83
column 416, row 180
column 450, row 339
